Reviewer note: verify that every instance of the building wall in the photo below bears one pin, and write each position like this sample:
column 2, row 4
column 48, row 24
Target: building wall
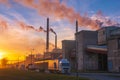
column 68, row 50
column 91, row 61
column 67, row 47
column 105, row 33
column 85, row 60
column 113, row 55
column 79, row 50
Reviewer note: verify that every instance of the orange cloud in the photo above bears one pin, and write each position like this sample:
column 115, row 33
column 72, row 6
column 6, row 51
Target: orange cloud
column 18, row 42
column 6, row 2
column 24, row 26
column 20, row 39
column 3, row 24
column 58, row 10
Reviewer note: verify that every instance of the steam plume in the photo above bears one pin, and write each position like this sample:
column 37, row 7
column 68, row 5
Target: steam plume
column 24, row 26
column 6, row 2
column 41, row 29
column 103, row 20
column 62, row 11
column 58, row 10
column 52, row 31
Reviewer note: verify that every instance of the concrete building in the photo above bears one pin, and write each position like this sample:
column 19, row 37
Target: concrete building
column 95, row 50
column 86, row 60
column 104, row 34
column 89, row 55
column 68, row 50
column 109, row 36
column 114, row 51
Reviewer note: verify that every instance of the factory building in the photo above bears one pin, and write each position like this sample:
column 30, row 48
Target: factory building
column 109, row 36
column 85, row 59
column 54, row 54
column 90, row 55
column 68, row 49
column 114, row 51
column 95, row 50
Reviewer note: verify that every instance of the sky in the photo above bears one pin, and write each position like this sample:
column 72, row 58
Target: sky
column 20, row 21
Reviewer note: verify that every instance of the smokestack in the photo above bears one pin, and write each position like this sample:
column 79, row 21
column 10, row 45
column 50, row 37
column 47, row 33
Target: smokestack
column 47, row 36
column 55, row 37
column 55, row 41
column 76, row 26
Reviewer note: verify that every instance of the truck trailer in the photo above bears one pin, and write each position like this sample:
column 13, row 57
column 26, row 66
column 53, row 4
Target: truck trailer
column 57, row 66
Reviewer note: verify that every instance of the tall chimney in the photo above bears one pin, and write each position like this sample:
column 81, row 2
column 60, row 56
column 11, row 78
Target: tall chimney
column 76, row 26
column 47, row 36
column 56, row 41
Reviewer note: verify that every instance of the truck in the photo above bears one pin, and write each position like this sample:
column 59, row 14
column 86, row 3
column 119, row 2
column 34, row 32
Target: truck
column 56, row 66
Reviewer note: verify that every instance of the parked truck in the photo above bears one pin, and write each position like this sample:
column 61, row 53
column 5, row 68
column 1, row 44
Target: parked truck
column 58, row 66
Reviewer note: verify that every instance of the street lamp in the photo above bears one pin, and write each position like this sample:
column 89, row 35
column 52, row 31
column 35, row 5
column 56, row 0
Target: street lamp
column 31, row 55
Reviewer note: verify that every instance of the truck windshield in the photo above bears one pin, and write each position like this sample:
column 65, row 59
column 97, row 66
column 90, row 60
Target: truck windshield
column 65, row 64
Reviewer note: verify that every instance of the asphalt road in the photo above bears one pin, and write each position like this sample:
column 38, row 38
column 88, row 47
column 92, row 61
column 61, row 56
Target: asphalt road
column 99, row 76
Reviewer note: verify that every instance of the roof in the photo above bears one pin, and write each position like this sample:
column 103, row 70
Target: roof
column 97, row 49
column 108, row 27
column 84, row 31
column 68, row 40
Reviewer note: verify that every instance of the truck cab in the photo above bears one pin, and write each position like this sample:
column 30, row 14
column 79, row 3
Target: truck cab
column 64, row 66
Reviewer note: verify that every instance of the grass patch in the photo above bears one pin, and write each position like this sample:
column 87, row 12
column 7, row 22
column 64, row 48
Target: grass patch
column 10, row 74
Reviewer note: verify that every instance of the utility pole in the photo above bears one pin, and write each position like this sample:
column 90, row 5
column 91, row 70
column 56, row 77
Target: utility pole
column 18, row 63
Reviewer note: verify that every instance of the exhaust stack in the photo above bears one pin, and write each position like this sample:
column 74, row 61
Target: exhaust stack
column 55, row 41
column 76, row 26
column 47, row 36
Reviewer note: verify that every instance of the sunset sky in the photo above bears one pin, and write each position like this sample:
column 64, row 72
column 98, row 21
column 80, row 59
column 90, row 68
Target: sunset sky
column 17, row 39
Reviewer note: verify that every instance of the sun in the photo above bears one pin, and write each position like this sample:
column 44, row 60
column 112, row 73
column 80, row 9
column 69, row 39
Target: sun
column 1, row 55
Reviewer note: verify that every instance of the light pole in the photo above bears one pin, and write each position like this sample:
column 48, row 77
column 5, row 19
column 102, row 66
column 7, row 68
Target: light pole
column 18, row 62
column 31, row 55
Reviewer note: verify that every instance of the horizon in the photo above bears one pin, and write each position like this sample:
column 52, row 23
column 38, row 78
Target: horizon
column 20, row 21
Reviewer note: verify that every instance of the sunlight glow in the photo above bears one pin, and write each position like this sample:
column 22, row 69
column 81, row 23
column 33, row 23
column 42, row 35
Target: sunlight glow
column 1, row 55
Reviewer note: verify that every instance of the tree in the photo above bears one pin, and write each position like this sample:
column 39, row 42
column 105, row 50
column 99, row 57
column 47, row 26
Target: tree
column 4, row 62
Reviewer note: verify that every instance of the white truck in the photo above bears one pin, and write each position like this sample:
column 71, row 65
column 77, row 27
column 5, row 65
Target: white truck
column 58, row 66
column 64, row 66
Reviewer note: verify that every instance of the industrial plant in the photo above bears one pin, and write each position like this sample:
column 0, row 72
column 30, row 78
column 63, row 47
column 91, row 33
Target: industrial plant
column 90, row 50
column 94, row 50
